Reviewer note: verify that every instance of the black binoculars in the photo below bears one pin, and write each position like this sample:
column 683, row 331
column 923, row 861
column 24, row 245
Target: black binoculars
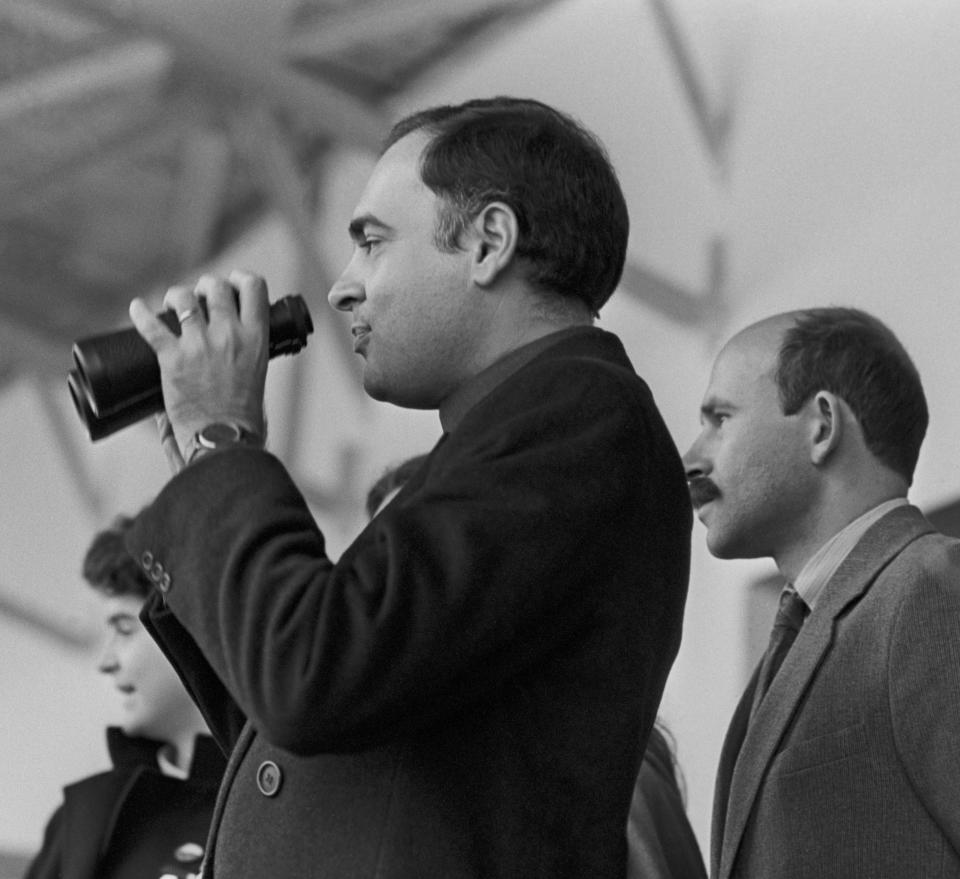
column 117, row 378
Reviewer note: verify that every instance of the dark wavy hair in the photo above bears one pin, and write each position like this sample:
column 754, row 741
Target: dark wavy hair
column 552, row 172
column 109, row 568
column 852, row 354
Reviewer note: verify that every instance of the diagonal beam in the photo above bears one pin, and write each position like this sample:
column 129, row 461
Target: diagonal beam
column 269, row 151
column 238, row 59
column 381, row 21
column 139, row 64
column 201, row 188
column 23, row 346
column 65, row 435
column 44, row 624
column 714, row 123
column 57, row 23
column 678, row 303
column 49, row 176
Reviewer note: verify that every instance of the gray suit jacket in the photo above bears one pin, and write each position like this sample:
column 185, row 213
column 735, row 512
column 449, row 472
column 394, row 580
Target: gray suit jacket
column 851, row 767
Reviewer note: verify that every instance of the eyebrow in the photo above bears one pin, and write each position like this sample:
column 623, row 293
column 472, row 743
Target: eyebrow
column 113, row 619
column 710, row 407
column 359, row 224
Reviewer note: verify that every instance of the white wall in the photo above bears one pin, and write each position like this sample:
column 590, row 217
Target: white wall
column 841, row 185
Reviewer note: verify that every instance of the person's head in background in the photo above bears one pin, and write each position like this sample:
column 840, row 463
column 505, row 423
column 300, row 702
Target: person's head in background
column 393, row 479
column 811, row 419
column 153, row 701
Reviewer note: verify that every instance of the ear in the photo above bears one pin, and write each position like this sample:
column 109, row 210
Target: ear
column 495, row 232
column 826, row 426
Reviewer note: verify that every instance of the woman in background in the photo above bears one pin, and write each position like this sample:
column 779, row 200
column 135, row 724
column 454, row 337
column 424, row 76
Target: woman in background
column 147, row 817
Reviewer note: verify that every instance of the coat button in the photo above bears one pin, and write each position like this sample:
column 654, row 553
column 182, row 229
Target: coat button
column 164, row 584
column 189, row 851
column 269, row 778
column 146, row 560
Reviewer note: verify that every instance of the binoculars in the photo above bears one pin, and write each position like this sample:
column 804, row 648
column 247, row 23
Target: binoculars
column 116, row 381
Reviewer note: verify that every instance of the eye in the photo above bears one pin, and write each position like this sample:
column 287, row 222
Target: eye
column 717, row 418
column 125, row 628
column 367, row 244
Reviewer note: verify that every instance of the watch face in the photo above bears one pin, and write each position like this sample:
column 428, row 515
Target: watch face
column 217, row 434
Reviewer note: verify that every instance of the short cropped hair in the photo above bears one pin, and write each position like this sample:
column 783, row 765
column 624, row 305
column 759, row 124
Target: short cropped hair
column 852, row 354
column 109, row 568
column 552, row 172
column 392, row 478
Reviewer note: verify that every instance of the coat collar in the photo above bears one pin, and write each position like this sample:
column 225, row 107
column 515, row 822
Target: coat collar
column 132, row 752
column 746, row 771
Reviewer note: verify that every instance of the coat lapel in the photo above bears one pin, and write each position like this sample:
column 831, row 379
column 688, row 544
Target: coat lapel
column 233, row 764
column 879, row 545
column 732, row 743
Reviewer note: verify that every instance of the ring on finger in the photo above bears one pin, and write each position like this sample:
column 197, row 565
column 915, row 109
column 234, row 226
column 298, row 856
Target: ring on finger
column 188, row 313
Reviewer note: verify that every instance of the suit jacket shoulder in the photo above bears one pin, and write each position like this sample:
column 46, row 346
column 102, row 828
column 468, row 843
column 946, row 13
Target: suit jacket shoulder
column 861, row 724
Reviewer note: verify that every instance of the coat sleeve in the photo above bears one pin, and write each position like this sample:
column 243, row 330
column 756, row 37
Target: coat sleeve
column 557, row 508
column 222, row 714
column 924, row 677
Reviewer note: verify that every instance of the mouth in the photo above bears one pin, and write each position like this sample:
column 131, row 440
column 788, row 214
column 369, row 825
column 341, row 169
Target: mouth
column 702, row 492
column 360, row 333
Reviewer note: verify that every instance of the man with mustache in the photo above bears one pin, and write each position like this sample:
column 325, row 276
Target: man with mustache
column 464, row 692
column 843, row 757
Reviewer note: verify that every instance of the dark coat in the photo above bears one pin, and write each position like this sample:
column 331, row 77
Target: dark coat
column 660, row 840
column 462, row 693
column 84, row 830
column 850, row 768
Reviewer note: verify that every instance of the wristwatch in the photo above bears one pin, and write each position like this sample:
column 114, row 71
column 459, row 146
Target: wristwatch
column 219, row 435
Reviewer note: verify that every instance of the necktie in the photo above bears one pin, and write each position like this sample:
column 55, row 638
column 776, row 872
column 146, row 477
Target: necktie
column 790, row 616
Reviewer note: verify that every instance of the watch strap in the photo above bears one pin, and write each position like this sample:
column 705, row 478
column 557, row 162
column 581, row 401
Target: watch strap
column 218, row 436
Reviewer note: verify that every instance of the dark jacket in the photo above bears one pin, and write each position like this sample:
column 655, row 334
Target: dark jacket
column 462, row 693
column 105, row 817
column 660, row 840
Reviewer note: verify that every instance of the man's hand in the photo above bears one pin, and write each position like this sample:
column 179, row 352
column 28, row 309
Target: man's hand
column 216, row 369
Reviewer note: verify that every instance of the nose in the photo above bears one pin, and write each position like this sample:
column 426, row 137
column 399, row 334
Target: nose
column 108, row 662
column 694, row 461
column 346, row 292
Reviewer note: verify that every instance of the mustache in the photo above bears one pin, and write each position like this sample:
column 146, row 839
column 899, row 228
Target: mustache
column 702, row 490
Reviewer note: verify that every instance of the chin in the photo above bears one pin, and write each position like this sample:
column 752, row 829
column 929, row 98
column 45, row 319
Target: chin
column 139, row 728
column 724, row 548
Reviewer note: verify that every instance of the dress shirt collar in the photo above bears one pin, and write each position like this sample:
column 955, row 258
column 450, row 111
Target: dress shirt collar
column 471, row 392
column 168, row 767
column 823, row 564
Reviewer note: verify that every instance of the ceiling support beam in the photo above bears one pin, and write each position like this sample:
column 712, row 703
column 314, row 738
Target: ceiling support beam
column 201, row 189
column 677, row 303
column 714, row 123
column 65, row 436
column 269, row 151
column 375, row 22
column 44, row 624
column 128, row 68
column 196, row 31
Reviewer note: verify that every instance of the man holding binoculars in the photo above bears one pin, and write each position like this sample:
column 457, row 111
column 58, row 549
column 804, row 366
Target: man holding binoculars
column 466, row 692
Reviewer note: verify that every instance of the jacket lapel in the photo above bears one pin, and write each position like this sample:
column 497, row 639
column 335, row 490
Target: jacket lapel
column 732, row 743
column 879, row 545
column 233, row 764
